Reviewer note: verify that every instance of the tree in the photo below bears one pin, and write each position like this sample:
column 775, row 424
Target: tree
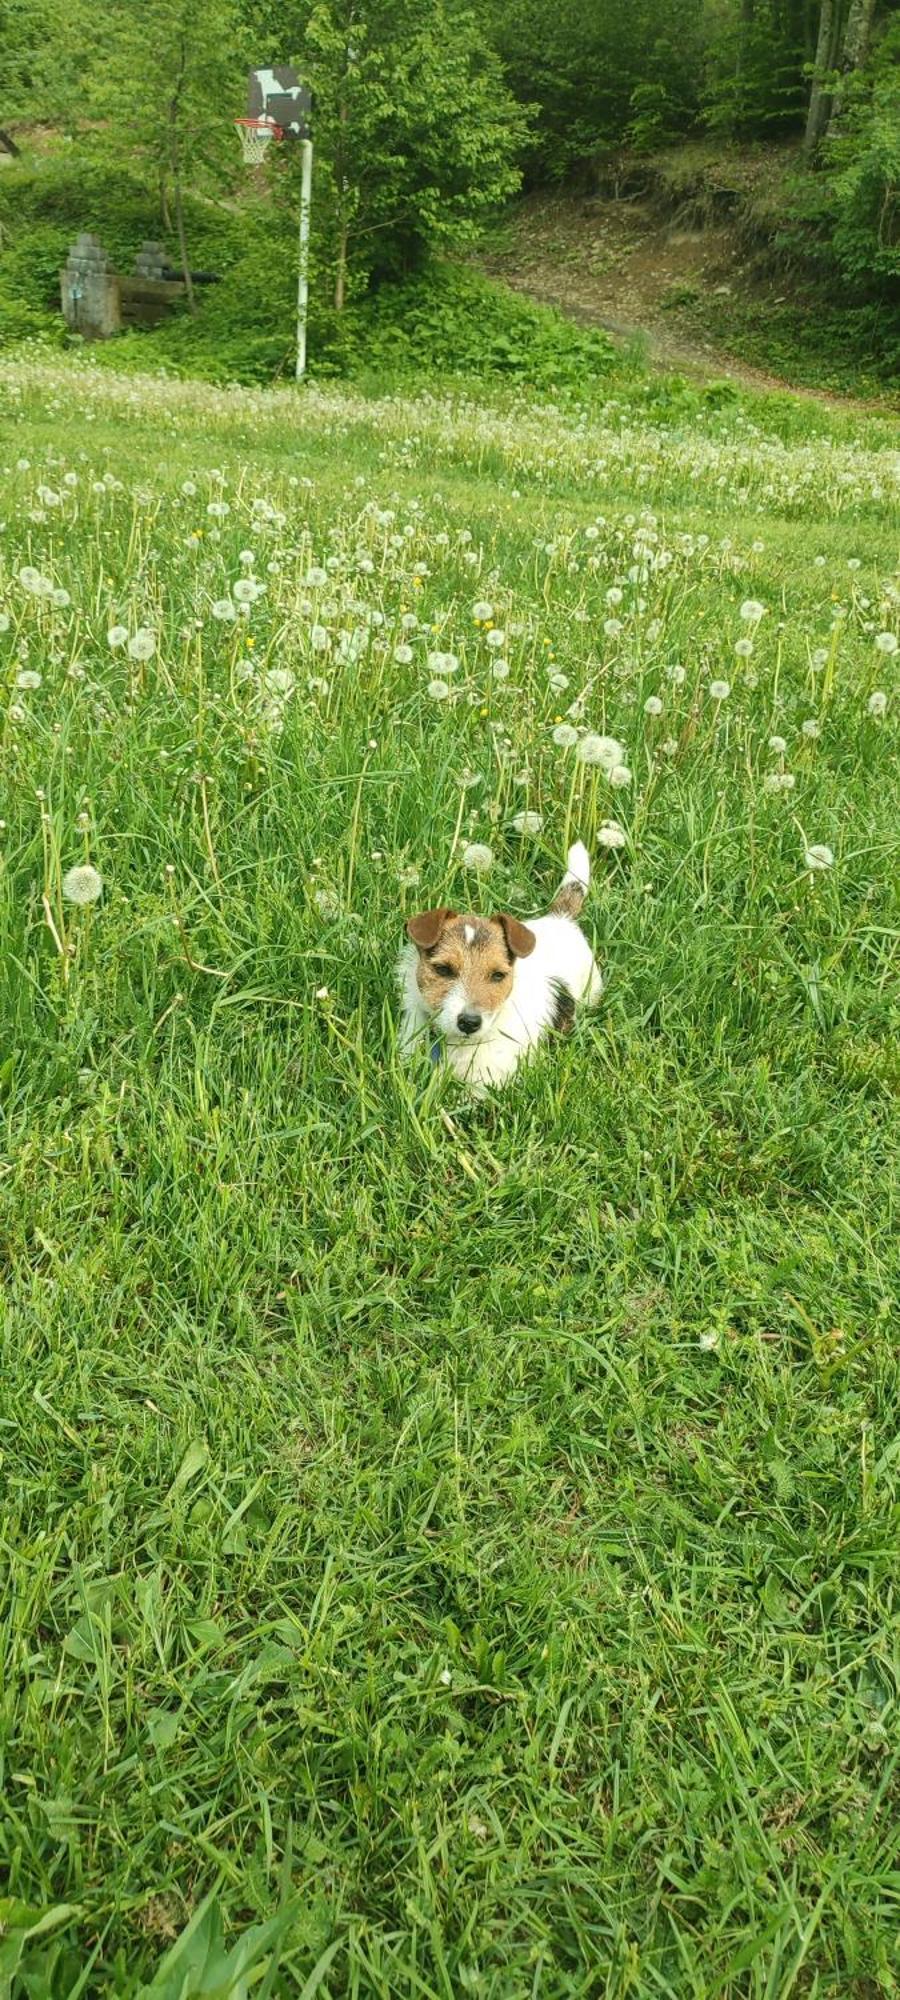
column 416, row 134
column 157, row 81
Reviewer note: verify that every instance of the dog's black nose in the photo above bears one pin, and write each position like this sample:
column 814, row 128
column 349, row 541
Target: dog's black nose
column 468, row 1024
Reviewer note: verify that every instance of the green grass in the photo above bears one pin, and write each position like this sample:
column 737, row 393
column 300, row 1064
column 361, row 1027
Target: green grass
column 463, row 1536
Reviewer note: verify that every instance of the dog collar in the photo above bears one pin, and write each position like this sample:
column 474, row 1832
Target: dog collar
column 434, row 1053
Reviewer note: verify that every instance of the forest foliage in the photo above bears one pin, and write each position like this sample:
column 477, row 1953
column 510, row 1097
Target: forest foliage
column 430, row 114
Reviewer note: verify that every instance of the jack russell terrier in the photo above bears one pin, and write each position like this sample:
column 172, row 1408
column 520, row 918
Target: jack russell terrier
column 484, row 991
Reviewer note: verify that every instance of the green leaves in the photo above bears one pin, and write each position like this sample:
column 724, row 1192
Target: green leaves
column 199, row 1965
column 24, row 1931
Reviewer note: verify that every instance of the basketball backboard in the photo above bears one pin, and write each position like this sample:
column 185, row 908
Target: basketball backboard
column 279, row 95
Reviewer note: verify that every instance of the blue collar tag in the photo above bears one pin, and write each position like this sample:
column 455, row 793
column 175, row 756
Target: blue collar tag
column 434, row 1053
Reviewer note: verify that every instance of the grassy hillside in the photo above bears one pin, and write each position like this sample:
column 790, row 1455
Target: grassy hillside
column 458, row 1541
column 709, row 256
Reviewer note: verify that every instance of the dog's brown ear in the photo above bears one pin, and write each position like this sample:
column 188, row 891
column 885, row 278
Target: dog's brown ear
column 519, row 939
column 426, row 929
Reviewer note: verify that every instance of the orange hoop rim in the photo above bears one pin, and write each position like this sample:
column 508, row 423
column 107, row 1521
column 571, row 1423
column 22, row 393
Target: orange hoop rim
column 262, row 125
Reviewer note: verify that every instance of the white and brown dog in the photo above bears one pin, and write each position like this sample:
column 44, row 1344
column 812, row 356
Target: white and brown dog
column 484, row 991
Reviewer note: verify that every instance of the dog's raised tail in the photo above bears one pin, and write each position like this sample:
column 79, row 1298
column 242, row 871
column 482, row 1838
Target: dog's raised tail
column 569, row 898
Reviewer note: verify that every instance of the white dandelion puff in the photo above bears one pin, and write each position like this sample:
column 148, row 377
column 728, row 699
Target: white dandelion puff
column 602, row 750
column 279, row 683
column 611, row 835
column 28, row 678
column 82, row 885
column 478, row 857
column 527, row 822
column 620, row 777
column 438, row 689
column 743, row 648
column 720, row 690
column 818, row 858
column 886, row 642
column 751, row 611
column 653, row 705
column 142, row 645
column 482, row 611
column 223, row 609
column 811, row 728
column 565, row 736
column 777, row 745
column 877, row 702
column 33, row 580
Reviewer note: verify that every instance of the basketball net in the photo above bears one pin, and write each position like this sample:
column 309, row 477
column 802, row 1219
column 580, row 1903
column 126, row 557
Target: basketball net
column 256, row 135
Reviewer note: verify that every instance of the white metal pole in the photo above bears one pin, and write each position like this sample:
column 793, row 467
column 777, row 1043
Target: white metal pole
column 303, row 277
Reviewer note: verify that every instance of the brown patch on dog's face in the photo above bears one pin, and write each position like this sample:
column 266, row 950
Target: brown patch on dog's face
column 466, row 966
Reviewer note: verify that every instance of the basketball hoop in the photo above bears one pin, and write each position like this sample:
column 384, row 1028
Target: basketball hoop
column 255, row 135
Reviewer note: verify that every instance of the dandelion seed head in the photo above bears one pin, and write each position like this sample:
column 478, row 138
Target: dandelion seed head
column 82, row 885
column 603, row 750
column 478, row 856
column 142, row 645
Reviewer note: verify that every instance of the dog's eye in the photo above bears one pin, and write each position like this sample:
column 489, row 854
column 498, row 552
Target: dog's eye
column 444, row 971
column 497, row 978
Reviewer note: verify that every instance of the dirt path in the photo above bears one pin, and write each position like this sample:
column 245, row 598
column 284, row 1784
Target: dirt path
column 614, row 265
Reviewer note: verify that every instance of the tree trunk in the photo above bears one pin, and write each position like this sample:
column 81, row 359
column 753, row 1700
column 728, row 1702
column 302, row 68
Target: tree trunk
column 340, row 281
column 175, row 162
column 857, row 37
column 820, row 99
column 858, row 34
column 182, row 241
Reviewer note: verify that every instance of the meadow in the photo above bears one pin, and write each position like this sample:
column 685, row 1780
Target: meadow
column 447, row 1549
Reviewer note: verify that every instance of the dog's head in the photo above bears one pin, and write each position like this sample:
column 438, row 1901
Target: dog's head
column 465, row 969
